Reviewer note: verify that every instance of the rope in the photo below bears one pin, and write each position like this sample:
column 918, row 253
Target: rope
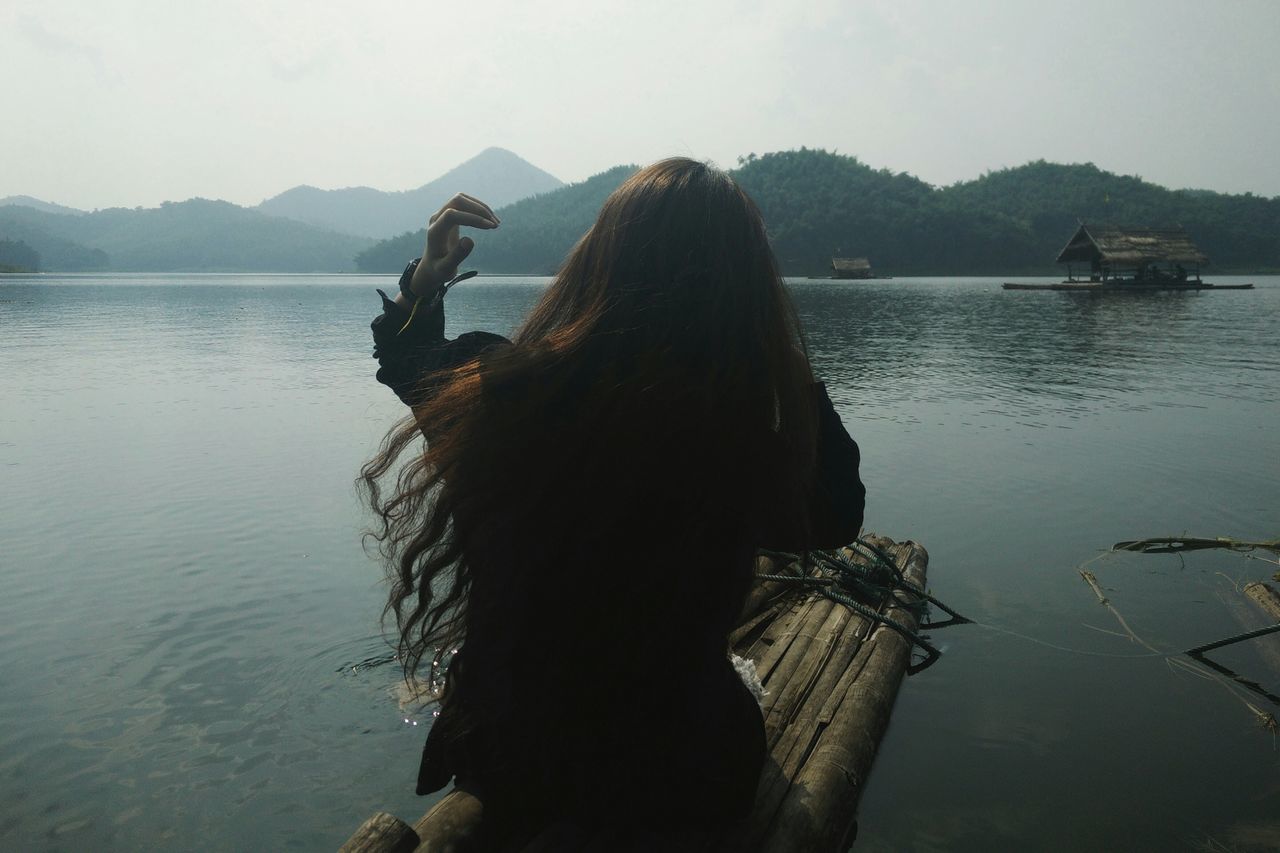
column 869, row 581
column 436, row 299
column 876, row 580
column 881, row 576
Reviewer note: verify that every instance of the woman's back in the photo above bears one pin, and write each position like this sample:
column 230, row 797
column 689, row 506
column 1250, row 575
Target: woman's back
column 608, row 559
column 584, row 517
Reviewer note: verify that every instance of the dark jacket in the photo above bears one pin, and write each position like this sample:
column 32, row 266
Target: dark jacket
column 647, row 721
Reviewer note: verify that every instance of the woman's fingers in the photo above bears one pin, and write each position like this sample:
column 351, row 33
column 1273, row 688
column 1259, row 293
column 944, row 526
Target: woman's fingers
column 452, row 217
column 442, row 235
column 445, row 250
column 458, row 254
column 466, row 204
column 487, row 208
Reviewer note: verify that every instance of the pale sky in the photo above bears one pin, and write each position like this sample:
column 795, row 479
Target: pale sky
column 133, row 102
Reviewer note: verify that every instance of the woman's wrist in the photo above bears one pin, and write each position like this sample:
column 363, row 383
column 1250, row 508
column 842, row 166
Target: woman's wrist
column 421, row 285
column 410, row 280
column 418, row 281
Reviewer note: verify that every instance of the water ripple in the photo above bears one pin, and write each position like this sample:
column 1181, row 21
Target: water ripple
column 189, row 623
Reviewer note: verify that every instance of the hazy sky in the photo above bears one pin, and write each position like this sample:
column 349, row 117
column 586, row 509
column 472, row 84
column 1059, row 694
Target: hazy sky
column 132, row 102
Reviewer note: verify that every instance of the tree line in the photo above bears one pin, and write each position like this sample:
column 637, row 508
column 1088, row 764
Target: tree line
column 198, row 235
column 819, row 204
column 17, row 256
column 816, row 204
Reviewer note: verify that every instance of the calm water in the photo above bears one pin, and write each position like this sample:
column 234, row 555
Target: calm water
column 186, row 604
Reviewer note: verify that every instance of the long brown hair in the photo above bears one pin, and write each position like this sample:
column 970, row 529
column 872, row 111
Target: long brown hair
column 657, row 371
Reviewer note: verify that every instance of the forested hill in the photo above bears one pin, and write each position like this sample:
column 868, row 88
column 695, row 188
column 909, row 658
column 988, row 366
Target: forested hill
column 818, row 204
column 194, row 235
column 1044, row 201
column 535, row 236
column 46, row 206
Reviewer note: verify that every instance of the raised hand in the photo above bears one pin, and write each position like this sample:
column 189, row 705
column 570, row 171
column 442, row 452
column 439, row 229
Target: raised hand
column 445, row 249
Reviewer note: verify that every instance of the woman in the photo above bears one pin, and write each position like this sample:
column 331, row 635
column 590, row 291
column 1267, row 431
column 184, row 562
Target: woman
column 583, row 518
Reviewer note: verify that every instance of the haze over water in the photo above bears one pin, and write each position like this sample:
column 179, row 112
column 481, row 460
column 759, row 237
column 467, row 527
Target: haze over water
column 187, row 609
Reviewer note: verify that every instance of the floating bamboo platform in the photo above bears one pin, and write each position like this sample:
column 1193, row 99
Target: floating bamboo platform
column 831, row 676
column 1124, row 287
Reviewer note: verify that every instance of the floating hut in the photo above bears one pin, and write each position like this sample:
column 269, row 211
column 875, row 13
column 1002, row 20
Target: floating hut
column 831, row 643
column 1132, row 254
column 851, row 268
column 1127, row 257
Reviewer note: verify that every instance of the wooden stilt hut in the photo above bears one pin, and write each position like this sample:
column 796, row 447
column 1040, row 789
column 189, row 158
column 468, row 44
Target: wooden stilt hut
column 831, row 660
column 1125, row 253
column 1130, row 258
column 851, row 268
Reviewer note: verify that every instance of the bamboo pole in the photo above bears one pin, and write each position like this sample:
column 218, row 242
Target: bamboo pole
column 382, row 833
column 452, row 825
column 784, row 635
column 819, row 807
column 764, row 593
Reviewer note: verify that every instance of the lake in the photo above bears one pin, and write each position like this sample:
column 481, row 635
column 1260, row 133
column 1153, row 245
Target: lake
column 189, row 626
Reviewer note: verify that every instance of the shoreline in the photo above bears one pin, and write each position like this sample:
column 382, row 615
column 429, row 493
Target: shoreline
column 787, row 276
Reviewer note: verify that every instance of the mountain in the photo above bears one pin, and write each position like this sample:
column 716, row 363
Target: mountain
column 535, row 236
column 1045, row 202
column 197, row 235
column 495, row 175
column 17, row 256
column 43, row 234
column 817, row 205
column 1011, row 221
column 37, row 204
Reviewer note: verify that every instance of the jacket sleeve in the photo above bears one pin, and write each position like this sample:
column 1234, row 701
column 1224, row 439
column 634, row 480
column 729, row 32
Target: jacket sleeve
column 410, row 345
column 839, row 498
column 834, row 513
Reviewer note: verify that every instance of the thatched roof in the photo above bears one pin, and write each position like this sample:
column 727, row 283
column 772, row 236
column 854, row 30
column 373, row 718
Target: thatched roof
column 1127, row 246
column 850, row 264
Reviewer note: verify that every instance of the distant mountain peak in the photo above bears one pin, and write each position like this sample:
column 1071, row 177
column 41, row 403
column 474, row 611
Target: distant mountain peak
column 497, row 175
column 38, row 204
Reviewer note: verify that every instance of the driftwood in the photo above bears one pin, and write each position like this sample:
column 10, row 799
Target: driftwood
column 831, row 677
column 1211, row 671
column 1092, row 580
column 1268, row 602
column 1265, row 597
column 1178, row 544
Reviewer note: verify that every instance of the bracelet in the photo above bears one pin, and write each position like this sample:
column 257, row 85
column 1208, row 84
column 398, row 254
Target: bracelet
column 417, row 301
column 406, row 279
column 406, row 282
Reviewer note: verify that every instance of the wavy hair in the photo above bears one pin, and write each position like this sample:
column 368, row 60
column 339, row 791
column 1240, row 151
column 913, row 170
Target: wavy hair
column 638, row 399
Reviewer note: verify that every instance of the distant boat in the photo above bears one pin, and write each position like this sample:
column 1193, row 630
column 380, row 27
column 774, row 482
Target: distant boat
column 1131, row 259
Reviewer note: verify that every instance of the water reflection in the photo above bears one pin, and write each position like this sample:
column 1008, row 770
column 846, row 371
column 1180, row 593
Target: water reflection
column 188, row 612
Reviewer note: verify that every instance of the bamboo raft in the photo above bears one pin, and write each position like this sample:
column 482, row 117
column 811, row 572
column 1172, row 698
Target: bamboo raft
column 1124, row 287
column 831, row 676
